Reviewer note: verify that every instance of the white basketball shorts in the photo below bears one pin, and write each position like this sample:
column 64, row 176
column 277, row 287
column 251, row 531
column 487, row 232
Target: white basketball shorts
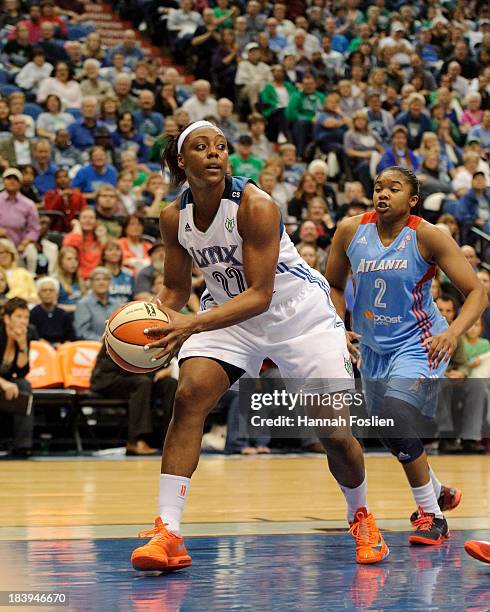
column 302, row 336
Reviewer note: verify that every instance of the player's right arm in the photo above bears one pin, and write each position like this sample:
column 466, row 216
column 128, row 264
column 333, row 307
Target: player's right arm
column 177, row 272
column 337, row 272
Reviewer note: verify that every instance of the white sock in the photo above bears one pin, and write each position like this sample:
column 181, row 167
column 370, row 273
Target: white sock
column 173, row 492
column 435, row 483
column 356, row 498
column 426, row 498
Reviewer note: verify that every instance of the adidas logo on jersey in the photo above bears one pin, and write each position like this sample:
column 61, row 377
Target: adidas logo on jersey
column 362, row 240
column 188, row 228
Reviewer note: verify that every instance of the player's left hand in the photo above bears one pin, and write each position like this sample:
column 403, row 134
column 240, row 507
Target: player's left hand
column 440, row 347
column 171, row 336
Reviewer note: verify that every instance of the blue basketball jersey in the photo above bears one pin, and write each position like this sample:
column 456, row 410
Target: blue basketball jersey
column 393, row 305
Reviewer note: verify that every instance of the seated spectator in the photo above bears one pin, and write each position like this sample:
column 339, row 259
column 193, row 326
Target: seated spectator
column 473, row 113
column 251, row 77
column 278, row 192
column 348, row 103
column 45, row 170
column 109, row 112
column 96, row 173
column 31, row 75
column 310, row 255
column 451, row 223
column 224, row 64
column 274, row 99
column 433, row 177
column 318, row 213
column 380, row 121
column 144, row 278
column 303, row 108
column 472, row 395
column 141, row 391
column 17, row 101
column 170, row 128
column 293, row 169
column 415, row 120
column 16, row 150
column 94, row 49
column 482, row 132
column 106, row 208
column 166, row 100
column 126, row 137
column 33, row 23
column 307, row 235
column 103, row 139
column 319, row 170
column 261, row 147
column 398, row 153
column 63, row 85
column 52, row 323
column 72, row 286
column 82, row 130
column 463, row 177
column 122, row 88
column 4, row 120
column 363, row 150
column 121, row 287
column 129, row 163
column 126, row 193
column 473, row 207
column 475, row 344
column 48, row 15
column 355, row 201
column 307, row 189
column 41, row 260
column 172, row 76
column 84, row 239
column 329, row 129
column 65, row 155
column 74, row 50
column 242, row 162
column 135, row 250
column 65, row 199
column 93, row 84
column 128, row 47
column 456, row 82
column 20, row 281
column 19, row 219
column 143, row 79
column 54, row 52
column 53, row 119
column 96, row 307
column 148, row 122
column 17, row 52
column 152, row 195
column 15, row 339
column 29, row 189
column 226, row 123
column 201, row 104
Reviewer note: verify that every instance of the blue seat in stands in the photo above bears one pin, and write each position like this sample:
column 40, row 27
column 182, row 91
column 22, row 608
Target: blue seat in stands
column 32, row 109
column 6, row 90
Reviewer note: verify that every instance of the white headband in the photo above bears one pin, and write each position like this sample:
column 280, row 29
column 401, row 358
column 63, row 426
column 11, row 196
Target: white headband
column 190, row 128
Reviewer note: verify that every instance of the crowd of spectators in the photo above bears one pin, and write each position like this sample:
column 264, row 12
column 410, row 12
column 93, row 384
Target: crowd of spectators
column 314, row 98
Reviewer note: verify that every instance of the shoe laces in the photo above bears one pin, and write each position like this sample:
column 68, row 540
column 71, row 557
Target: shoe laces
column 362, row 530
column 425, row 521
column 158, row 530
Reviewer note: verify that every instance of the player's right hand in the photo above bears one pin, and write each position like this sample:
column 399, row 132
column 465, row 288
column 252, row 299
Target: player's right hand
column 11, row 390
column 355, row 354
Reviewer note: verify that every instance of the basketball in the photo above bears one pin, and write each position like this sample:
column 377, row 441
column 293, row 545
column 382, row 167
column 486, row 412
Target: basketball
column 125, row 337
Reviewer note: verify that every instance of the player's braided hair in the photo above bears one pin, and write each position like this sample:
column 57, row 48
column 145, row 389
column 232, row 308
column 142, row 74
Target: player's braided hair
column 409, row 176
column 169, row 158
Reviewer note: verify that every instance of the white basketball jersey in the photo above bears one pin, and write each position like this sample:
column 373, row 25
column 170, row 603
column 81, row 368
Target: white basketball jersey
column 218, row 252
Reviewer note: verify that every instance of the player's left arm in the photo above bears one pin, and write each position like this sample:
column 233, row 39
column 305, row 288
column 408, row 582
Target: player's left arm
column 445, row 253
column 259, row 225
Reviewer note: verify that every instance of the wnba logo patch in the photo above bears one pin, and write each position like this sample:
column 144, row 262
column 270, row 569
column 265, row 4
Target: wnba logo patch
column 369, row 314
column 182, row 491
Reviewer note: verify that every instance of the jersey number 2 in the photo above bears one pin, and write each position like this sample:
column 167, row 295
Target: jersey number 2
column 230, row 275
column 380, row 284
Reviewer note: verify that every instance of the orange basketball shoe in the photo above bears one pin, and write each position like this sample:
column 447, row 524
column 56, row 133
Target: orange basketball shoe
column 164, row 552
column 478, row 549
column 370, row 546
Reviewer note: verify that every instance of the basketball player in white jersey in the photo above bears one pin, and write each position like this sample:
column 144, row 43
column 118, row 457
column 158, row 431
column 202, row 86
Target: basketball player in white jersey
column 262, row 300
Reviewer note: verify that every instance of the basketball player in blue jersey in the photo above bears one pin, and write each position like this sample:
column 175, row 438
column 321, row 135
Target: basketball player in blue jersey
column 405, row 342
column 262, row 300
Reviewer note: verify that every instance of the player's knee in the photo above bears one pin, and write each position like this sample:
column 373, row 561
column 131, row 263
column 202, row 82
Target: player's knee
column 190, row 401
column 338, row 446
column 405, row 450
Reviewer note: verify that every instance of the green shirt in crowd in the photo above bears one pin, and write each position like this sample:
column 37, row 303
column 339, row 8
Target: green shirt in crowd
column 249, row 167
column 304, row 106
